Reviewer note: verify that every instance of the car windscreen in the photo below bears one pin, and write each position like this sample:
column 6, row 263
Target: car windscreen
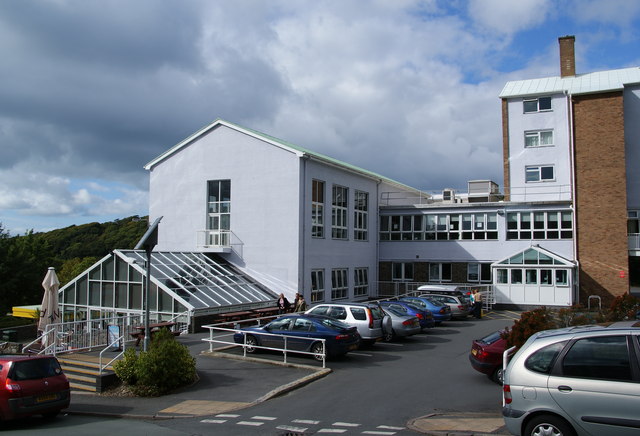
column 33, row 369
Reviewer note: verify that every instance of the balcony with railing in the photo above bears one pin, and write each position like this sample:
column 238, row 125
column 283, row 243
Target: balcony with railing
column 218, row 241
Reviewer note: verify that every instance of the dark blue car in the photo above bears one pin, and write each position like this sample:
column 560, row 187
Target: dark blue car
column 303, row 332
column 441, row 312
column 425, row 316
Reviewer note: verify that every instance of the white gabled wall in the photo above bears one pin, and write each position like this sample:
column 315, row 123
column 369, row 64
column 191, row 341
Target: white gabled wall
column 264, row 201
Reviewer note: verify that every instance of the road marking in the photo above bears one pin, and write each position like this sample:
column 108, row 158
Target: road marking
column 345, row 424
column 332, row 430
column 292, row 429
column 392, row 344
column 227, row 415
column 214, row 421
column 352, row 353
column 388, row 427
column 306, row 421
column 379, row 432
column 252, row 423
column 266, row 418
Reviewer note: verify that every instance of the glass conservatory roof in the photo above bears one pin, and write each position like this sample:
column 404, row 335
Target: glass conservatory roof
column 197, row 280
column 535, row 256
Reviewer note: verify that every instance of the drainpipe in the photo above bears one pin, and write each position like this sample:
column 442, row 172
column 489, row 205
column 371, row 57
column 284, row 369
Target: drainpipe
column 377, row 236
column 303, row 234
column 574, row 210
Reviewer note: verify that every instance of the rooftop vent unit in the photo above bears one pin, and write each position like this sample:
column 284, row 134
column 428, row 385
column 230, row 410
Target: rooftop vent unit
column 448, row 195
column 482, row 191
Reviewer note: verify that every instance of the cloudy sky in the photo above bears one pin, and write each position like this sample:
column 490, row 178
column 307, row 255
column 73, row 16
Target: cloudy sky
column 90, row 90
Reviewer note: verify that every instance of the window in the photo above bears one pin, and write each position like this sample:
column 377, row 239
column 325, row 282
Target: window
column 539, row 138
column 360, row 281
column 532, row 276
column 540, row 225
column 539, row 173
column 339, row 207
column 502, row 277
column 542, row 360
column 441, row 227
column 317, row 209
column 605, row 358
column 218, row 213
column 546, row 277
column 360, row 216
column 402, row 271
column 317, row 285
column 562, row 277
column 516, row 276
column 479, row 272
column 339, row 285
column 536, row 104
column 439, row 272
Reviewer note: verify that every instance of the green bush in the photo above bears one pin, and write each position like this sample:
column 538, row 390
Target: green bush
column 125, row 368
column 167, row 365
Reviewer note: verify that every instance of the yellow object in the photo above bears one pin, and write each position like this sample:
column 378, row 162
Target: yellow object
column 30, row 312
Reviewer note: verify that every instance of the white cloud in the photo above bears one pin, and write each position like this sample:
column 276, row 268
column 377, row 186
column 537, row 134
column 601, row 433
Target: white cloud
column 508, row 16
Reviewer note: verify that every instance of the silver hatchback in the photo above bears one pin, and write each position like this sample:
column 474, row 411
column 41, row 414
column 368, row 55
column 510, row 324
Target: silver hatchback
column 575, row 381
column 369, row 318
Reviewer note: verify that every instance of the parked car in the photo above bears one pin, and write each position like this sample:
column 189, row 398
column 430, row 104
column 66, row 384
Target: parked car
column 427, row 321
column 402, row 325
column 458, row 305
column 456, row 291
column 32, row 385
column 441, row 312
column 368, row 318
column 575, row 381
column 305, row 329
column 486, row 355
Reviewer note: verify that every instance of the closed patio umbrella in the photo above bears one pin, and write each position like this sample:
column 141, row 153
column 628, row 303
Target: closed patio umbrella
column 49, row 313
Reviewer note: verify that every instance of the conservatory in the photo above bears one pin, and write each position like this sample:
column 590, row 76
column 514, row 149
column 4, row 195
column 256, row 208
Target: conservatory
column 534, row 276
column 187, row 285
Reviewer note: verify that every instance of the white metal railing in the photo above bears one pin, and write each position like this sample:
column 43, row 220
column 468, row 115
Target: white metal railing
column 223, row 239
column 224, row 332
column 634, row 241
column 84, row 335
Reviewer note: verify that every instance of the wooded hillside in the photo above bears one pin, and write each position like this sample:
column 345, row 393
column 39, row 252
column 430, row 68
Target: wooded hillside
column 24, row 259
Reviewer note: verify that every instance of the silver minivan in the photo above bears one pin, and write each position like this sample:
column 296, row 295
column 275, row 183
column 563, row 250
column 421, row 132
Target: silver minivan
column 369, row 318
column 575, row 381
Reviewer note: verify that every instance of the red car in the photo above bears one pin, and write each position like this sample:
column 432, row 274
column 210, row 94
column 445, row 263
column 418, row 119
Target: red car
column 32, row 385
column 486, row 355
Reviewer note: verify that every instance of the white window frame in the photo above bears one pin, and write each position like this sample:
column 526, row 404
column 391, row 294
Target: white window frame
column 360, row 216
column 317, row 285
column 537, row 171
column 360, row 282
column 339, row 283
column 339, row 212
column 317, row 208
column 437, row 272
column 477, row 272
column 540, row 225
column 218, row 222
column 537, row 101
column 537, row 138
column 402, row 271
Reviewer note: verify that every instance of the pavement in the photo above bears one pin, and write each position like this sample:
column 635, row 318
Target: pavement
column 227, row 383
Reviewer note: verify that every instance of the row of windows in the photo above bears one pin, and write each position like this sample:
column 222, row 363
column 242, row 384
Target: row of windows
column 530, row 276
column 439, row 227
column 540, row 225
column 339, row 283
column 441, row 272
column 339, row 212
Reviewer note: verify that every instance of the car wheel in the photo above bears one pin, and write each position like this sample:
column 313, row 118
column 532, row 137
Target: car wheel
column 317, row 350
column 548, row 425
column 251, row 344
column 497, row 375
column 389, row 336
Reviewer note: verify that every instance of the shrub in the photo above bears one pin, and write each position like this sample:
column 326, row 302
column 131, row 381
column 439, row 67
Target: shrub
column 125, row 368
column 529, row 323
column 166, row 366
column 624, row 307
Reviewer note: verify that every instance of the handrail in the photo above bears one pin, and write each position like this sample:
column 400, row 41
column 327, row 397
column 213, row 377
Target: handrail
column 124, row 347
column 244, row 345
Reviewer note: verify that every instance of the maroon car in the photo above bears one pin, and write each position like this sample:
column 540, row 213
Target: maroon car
column 486, row 355
column 32, row 385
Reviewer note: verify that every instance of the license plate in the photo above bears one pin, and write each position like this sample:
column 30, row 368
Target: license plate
column 45, row 398
column 474, row 351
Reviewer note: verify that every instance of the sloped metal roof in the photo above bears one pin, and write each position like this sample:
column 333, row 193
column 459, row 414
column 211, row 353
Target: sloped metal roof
column 199, row 281
column 603, row 81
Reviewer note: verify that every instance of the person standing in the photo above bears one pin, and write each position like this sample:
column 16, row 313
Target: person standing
column 301, row 305
column 283, row 304
column 477, row 304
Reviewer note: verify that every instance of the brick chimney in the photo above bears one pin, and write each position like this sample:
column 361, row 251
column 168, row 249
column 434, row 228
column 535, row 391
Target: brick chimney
column 567, row 56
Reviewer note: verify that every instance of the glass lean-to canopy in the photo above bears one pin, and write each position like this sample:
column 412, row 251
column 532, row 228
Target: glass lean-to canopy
column 196, row 283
